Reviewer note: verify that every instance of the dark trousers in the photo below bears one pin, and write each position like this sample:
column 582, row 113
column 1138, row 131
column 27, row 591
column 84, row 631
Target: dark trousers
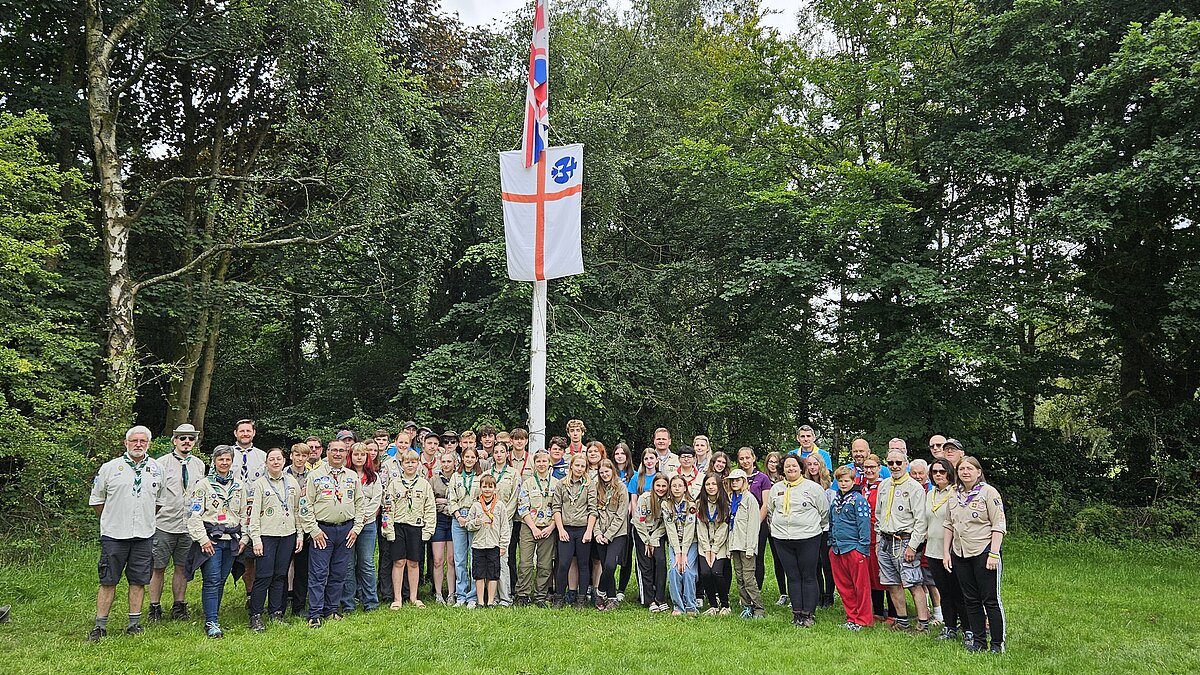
column 384, row 581
column 300, row 578
column 327, row 571
column 715, row 581
column 800, row 559
column 574, row 548
column 781, row 577
column 512, row 555
column 626, row 563
column 270, row 576
column 952, row 596
column 760, row 560
column 981, row 596
column 825, row 573
column 652, row 574
column 611, row 554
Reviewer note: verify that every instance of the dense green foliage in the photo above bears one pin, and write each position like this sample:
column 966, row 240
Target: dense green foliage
column 905, row 218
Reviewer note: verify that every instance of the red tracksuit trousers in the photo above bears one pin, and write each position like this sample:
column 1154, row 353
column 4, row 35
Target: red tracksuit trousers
column 852, row 576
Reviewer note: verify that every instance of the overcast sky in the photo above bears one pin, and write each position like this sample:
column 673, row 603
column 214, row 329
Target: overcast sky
column 483, row 12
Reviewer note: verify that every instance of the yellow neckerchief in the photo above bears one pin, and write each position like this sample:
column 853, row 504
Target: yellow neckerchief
column 892, row 496
column 787, row 494
column 934, row 504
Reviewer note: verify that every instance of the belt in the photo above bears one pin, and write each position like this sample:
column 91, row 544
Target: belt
column 328, row 524
column 897, row 535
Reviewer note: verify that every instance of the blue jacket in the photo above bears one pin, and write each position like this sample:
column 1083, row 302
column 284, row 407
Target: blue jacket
column 824, row 456
column 850, row 523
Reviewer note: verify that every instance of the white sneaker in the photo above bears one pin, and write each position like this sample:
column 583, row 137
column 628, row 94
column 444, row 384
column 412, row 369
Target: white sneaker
column 783, row 600
column 620, row 597
column 471, row 604
column 700, row 602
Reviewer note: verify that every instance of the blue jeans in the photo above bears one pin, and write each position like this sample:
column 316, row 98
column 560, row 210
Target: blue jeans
column 327, row 569
column 683, row 586
column 464, row 587
column 360, row 575
column 215, row 571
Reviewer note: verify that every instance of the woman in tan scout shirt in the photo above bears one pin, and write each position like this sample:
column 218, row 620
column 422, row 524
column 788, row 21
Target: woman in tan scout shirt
column 275, row 534
column 612, row 531
column 712, row 544
column 409, row 518
column 575, row 516
column 975, row 529
column 443, row 541
column 650, row 526
column 218, row 505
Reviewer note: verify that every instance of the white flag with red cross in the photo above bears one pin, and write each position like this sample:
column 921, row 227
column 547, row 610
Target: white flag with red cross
column 542, row 213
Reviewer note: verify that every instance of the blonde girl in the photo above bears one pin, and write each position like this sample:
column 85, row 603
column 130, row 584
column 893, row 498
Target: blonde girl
column 679, row 512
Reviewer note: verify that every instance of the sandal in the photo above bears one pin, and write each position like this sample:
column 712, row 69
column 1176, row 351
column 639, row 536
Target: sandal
column 396, row 605
column 417, row 603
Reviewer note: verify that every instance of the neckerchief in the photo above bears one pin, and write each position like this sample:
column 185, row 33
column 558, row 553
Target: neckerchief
column 695, row 475
column 892, row 496
column 841, row 500
column 429, row 467
column 499, row 477
column 488, row 508
column 734, row 502
column 245, row 463
column 137, row 472
column 537, row 480
column 582, row 487
column 183, row 462
column 284, row 500
column 223, row 488
column 336, row 474
column 468, row 484
column 408, row 490
column 970, row 496
column 787, row 494
column 934, row 505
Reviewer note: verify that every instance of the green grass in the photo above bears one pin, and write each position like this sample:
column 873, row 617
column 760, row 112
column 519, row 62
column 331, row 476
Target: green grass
column 1071, row 608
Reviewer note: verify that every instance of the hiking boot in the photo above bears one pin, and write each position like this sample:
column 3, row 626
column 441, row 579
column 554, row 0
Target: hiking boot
column 899, row 628
column 809, row 621
column 135, row 629
column 746, row 613
column 277, row 617
column 946, row 634
column 798, row 622
column 155, row 614
column 96, row 634
column 256, row 623
column 977, row 646
column 523, row 601
column 557, row 601
column 580, row 601
column 179, row 612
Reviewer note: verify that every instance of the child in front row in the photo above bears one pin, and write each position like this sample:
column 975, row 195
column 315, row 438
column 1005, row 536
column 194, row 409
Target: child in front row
column 849, row 546
column 679, row 512
column 744, row 523
column 491, row 524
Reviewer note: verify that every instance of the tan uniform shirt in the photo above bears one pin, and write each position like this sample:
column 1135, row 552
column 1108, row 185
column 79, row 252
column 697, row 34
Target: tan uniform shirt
column 409, row 501
column 712, row 537
column 669, row 464
column 694, row 480
column 973, row 519
column 612, row 517
column 507, row 489
column 681, row 524
column 492, row 529
column 217, row 504
column 175, row 499
column 332, row 497
column 463, row 491
column 575, row 502
column 797, row 512
column 900, row 507
column 746, row 523
column 372, row 499
column 277, row 508
column 650, row 526
column 537, row 499
column 937, row 506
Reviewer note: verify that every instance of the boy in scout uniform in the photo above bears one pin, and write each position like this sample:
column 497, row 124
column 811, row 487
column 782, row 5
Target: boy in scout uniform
column 125, row 496
column 333, row 513
column 182, row 471
column 535, row 508
column 409, row 517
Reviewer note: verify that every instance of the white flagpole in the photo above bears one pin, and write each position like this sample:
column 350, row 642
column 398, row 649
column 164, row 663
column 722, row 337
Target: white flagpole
column 537, row 370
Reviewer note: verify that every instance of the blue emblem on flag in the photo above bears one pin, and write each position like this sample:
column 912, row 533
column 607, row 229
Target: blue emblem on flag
column 563, row 169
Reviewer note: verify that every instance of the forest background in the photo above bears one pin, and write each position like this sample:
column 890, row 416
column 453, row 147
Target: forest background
column 906, row 217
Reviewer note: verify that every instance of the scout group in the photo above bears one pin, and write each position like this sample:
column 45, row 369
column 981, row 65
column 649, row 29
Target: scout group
column 489, row 524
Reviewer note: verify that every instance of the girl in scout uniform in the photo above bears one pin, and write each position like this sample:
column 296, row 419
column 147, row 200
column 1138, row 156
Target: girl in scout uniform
column 712, row 543
column 650, row 527
column 575, row 515
column 507, row 490
column 719, row 464
column 975, row 529
column 462, row 493
column 215, row 524
column 274, row 530
column 442, row 541
column 799, row 513
column 361, row 576
column 489, row 521
column 679, row 514
column 744, row 542
column 596, row 453
column 409, row 519
column 298, row 579
column 612, row 531
column 537, row 536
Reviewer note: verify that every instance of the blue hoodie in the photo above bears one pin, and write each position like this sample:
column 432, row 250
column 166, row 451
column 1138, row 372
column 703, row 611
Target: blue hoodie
column 850, row 523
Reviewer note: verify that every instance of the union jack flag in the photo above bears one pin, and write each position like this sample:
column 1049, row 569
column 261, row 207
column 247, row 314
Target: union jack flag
column 537, row 90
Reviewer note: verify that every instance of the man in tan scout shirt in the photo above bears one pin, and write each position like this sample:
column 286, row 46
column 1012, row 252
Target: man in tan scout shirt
column 902, row 525
column 332, row 513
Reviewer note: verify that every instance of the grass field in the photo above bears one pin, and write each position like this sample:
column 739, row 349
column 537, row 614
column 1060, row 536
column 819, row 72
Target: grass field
column 1071, row 608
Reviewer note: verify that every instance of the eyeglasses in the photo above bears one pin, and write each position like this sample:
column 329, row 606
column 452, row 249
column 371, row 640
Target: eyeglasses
column 935, row 445
column 936, row 471
column 870, row 466
column 895, row 463
column 186, row 438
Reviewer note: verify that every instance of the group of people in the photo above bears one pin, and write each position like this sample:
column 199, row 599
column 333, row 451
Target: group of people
column 487, row 523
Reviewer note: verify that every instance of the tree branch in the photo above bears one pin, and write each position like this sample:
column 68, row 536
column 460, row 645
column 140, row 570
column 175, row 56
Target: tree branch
column 123, row 26
column 176, row 180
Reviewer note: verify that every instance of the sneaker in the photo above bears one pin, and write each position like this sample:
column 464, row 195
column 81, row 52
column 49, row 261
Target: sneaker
column 460, row 603
column 557, row 601
column 797, row 622
column 571, row 596
column 976, row 647
column 620, row 597
column 471, row 604
column 336, row 616
column 440, row 600
column 700, row 601
column 581, row 601
column 314, row 623
column 277, row 617
column 662, row 607
column 897, row 627
column 809, row 621
column 523, row 601
column 920, row 629
column 851, row 626
column 611, row 604
column 711, row 611
column 746, row 613
column 96, row 633
column 256, row 623
column 725, row 611
column 135, row 629
column 946, row 634
column 155, row 615
column 968, row 638
column 179, row 612
column 997, row 648
column 783, row 600
column 213, row 630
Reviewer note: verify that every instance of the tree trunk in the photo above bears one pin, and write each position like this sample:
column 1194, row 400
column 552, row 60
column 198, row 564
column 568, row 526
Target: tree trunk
column 209, row 363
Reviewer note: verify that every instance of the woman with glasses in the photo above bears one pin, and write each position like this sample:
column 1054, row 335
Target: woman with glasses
column 975, row 528
column 941, row 474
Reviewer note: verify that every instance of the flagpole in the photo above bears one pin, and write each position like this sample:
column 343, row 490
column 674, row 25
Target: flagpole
column 537, row 369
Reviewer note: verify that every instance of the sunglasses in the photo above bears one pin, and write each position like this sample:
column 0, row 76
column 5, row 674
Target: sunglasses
column 899, row 463
column 935, row 471
column 870, row 466
column 186, row 438
column 934, row 445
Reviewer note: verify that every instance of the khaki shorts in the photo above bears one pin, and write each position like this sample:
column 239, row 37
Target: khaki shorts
column 894, row 570
column 168, row 546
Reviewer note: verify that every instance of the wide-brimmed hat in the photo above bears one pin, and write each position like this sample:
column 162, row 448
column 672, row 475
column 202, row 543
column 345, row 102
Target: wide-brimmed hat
column 184, row 429
column 736, row 473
